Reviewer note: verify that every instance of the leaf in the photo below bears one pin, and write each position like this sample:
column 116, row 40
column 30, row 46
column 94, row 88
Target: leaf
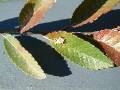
column 22, row 58
column 91, row 10
column 79, row 51
column 33, row 12
column 109, row 40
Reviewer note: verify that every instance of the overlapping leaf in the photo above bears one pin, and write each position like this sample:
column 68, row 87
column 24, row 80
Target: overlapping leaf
column 109, row 41
column 22, row 58
column 79, row 51
column 90, row 10
column 33, row 12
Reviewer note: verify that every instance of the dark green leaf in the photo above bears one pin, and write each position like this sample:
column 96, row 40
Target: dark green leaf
column 90, row 10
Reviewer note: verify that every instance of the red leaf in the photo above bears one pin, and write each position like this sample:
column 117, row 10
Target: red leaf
column 109, row 41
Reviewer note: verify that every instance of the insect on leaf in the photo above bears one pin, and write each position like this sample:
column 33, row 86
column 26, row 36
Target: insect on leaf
column 33, row 12
column 79, row 51
column 22, row 58
column 109, row 41
column 91, row 10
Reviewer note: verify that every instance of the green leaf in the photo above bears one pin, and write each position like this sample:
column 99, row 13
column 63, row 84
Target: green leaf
column 33, row 12
column 22, row 58
column 91, row 10
column 79, row 51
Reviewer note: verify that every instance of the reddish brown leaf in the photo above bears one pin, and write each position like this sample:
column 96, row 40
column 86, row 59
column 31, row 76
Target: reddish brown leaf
column 33, row 12
column 109, row 41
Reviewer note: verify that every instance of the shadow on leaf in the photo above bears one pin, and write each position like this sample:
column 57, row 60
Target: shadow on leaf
column 50, row 61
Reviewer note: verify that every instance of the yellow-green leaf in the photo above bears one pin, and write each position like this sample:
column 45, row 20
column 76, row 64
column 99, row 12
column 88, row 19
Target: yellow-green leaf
column 33, row 12
column 79, row 51
column 22, row 58
column 90, row 10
